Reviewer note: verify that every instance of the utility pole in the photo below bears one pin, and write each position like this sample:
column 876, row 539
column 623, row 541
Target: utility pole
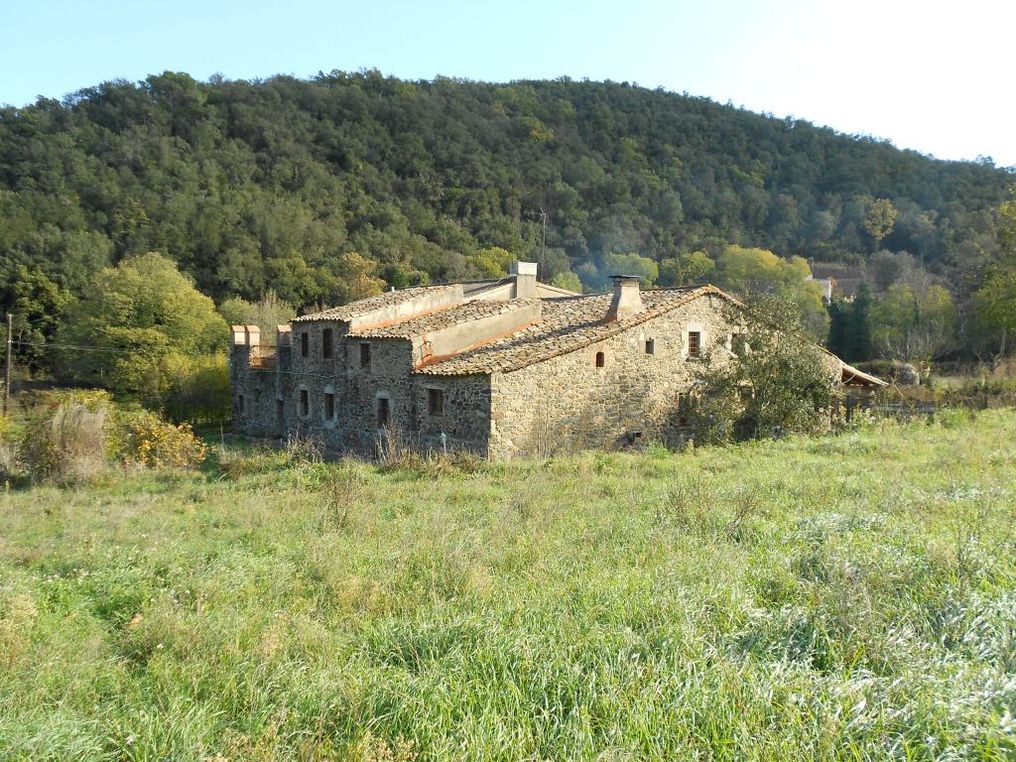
column 7, row 370
column 543, row 215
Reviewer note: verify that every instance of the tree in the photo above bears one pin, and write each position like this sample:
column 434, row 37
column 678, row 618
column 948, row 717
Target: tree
column 568, row 281
column 686, row 269
column 268, row 313
column 754, row 272
column 994, row 303
column 778, row 382
column 36, row 302
column 492, row 262
column 138, row 319
column 879, row 220
column 914, row 324
column 631, row 264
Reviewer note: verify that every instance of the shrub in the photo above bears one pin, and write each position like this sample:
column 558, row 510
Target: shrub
column 777, row 384
column 66, row 444
column 151, row 441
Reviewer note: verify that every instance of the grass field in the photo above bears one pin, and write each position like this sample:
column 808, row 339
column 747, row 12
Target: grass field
column 845, row 597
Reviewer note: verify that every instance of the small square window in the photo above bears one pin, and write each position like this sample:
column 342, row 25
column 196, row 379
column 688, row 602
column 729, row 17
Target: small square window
column 304, row 402
column 694, row 344
column 435, row 401
column 650, row 346
column 329, row 406
column 364, row 355
column 327, row 344
column 304, row 344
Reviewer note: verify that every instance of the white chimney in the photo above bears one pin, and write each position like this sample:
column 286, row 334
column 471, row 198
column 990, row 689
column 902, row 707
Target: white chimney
column 525, row 279
column 627, row 297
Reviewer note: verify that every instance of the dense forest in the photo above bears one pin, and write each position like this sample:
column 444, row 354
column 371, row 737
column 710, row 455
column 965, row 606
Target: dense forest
column 318, row 191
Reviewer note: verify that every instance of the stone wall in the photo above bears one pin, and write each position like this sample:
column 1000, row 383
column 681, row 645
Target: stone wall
column 267, row 403
column 569, row 403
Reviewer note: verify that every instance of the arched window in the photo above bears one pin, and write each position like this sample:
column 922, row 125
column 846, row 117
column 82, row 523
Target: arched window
column 599, row 359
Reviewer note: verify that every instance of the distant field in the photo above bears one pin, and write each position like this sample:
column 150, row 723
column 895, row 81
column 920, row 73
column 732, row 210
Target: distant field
column 846, row 597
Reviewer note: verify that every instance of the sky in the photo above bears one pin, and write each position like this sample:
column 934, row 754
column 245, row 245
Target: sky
column 933, row 76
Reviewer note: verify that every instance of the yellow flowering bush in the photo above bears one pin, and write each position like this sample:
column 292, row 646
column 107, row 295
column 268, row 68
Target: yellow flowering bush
column 151, row 441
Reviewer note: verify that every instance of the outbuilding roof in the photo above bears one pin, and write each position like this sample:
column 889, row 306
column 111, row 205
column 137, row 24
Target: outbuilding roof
column 372, row 303
column 566, row 324
column 441, row 319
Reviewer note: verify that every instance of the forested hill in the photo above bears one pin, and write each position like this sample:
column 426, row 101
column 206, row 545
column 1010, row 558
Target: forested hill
column 271, row 185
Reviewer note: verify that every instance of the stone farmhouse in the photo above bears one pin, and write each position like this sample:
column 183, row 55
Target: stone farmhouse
column 499, row 368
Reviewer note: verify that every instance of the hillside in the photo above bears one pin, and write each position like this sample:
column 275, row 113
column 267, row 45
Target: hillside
column 847, row 597
column 251, row 186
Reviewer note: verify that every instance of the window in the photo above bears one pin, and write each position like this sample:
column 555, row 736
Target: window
column 239, row 404
column 304, row 344
column 683, row 407
column 364, row 355
column 327, row 349
column 694, row 344
column 435, row 401
column 600, row 359
column 738, row 343
column 304, row 401
column 650, row 346
column 329, row 406
column 383, row 412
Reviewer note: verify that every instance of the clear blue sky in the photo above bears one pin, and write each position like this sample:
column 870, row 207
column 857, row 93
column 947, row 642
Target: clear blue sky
column 935, row 76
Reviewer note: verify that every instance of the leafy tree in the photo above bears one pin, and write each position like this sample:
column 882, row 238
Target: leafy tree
column 914, row 324
column 753, row 272
column 139, row 319
column 631, row 264
column 880, row 217
column 569, row 281
column 492, row 262
column 267, row 313
column 35, row 302
column 778, row 383
column 994, row 303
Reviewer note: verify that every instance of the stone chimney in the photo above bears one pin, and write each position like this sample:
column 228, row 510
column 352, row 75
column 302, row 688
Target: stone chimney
column 525, row 279
column 627, row 298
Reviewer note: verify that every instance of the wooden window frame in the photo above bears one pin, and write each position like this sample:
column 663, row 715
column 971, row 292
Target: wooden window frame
column 695, row 344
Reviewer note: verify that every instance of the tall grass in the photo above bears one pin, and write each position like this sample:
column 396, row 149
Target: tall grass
column 847, row 597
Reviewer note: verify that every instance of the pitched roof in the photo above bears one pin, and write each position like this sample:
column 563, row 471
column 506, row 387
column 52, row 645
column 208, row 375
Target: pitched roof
column 440, row 319
column 371, row 303
column 567, row 324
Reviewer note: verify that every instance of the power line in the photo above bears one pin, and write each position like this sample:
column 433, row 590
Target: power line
column 47, row 344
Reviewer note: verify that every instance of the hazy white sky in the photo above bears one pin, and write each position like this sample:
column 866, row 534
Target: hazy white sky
column 933, row 76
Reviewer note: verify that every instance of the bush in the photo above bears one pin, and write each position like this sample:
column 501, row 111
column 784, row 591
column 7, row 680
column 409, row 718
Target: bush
column 149, row 440
column 778, row 384
column 70, row 437
column 67, row 439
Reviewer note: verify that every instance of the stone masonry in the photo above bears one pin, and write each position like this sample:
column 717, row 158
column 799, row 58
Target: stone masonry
column 498, row 368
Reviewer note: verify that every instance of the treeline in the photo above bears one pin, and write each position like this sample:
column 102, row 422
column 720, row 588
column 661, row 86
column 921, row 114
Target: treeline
column 324, row 190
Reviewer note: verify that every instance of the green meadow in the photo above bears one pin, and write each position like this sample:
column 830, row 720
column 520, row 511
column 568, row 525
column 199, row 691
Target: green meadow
column 843, row 597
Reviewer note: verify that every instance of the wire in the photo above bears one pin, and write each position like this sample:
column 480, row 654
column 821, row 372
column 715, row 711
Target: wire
column 47, row 344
